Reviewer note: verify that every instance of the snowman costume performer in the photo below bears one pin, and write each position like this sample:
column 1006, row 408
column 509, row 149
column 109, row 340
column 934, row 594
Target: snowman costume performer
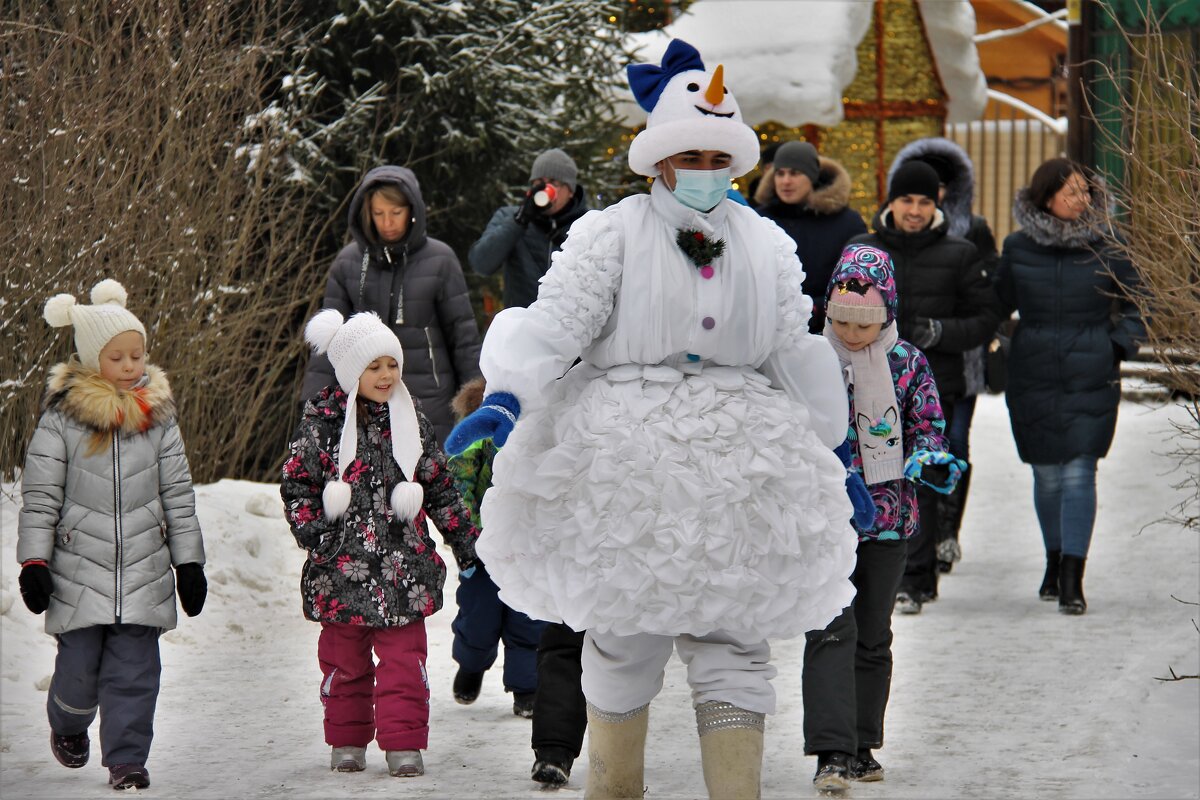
column 676, row 487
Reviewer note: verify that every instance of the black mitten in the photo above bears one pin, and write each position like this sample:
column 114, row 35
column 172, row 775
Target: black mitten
column 37, row 584
column 528, row 209
column 192, row 588
column 937, row 474
column 926, row 332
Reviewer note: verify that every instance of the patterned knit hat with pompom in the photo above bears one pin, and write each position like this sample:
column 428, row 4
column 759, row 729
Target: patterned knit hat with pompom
column 351, row 346
column 97, row 324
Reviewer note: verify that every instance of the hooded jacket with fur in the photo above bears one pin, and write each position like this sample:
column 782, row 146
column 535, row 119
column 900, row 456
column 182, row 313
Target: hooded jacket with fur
column 110, row 521
column 821, row 226
column 369, row 567
column 417, row 287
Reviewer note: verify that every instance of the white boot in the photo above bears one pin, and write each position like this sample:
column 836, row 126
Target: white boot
column 348, row 759
column 731, row 748
column 616, row 753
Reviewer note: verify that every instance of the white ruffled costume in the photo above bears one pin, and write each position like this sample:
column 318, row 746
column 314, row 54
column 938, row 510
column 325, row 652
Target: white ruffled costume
column 646, row 492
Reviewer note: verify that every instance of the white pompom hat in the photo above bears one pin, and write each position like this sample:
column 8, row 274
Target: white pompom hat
column 351, row 346
column 97, row 324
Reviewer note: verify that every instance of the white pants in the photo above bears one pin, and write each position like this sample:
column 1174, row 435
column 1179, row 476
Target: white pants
column 621, row 673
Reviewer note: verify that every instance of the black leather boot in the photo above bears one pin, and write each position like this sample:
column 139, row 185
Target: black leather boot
column 1049, row 590
column 1070, row 585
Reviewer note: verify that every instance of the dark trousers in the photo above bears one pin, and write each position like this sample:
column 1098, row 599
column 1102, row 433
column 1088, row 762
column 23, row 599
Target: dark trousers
column 559, row 710
column 113, row 669
column 958, row 438
column 482, row 622
column 848, row 666
column 921, row 572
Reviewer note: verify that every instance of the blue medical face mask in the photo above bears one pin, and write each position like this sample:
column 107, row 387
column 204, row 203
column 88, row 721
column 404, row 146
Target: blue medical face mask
column 701, row 189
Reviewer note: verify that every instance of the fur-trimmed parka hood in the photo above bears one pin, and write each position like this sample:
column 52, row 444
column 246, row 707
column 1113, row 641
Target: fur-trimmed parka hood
column 1050, row 231
column 829, row 196
column 82, row 394
column 469, row 397
column 960, row 189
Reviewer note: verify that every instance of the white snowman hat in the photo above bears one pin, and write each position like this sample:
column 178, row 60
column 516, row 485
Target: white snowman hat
column 351, row 346
column 689, row 109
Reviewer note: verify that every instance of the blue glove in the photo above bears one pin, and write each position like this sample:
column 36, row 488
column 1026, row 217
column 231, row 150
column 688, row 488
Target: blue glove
column 938, row 470
column 493, row 420
column 864, row 504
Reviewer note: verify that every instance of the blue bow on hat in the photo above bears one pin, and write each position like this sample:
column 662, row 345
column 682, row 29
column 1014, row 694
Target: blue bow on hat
column 648, row 81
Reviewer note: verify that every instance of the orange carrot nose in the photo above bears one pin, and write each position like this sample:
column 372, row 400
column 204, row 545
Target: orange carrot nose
column 715, row 92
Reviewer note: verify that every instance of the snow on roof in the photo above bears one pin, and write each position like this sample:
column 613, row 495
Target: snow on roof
column 790, row 61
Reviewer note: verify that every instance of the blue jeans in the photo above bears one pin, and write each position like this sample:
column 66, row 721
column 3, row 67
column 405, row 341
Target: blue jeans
column 1064, row 496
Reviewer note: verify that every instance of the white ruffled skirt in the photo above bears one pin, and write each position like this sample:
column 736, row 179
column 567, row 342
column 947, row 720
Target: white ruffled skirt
column 641, row 500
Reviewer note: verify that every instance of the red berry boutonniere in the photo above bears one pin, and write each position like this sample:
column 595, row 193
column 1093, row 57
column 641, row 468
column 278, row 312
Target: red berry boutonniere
column 699, row 249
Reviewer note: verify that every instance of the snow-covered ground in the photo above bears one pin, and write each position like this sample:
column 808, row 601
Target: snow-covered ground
column 995, row 694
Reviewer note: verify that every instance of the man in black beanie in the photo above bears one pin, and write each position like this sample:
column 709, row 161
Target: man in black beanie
column 809, row 197
column 946, row 307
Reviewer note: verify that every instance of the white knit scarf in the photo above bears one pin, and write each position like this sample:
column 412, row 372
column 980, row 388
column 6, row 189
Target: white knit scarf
column 876, row 415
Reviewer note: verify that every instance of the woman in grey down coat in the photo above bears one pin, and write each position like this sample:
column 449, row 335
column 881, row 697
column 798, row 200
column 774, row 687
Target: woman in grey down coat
column 414, row 283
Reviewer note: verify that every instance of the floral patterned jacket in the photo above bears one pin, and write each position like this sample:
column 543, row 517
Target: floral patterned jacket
column 369, row 568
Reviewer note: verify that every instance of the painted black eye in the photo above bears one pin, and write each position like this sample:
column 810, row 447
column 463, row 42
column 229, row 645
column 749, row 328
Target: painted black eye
column 723, row 89
column 693, row 87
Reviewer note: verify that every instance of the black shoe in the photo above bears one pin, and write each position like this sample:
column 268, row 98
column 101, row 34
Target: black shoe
column 523, row 704
column 1070, row 586
column 865, row 768
column 907, row 603
column 552, row 772
column 71, row 751
column 467, row 686
column 128, row 776
column 1049, row 587
column 833, row 772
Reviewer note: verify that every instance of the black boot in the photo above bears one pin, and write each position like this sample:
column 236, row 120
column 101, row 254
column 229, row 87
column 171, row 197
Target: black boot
column 1049, row 590
column 1070, row 585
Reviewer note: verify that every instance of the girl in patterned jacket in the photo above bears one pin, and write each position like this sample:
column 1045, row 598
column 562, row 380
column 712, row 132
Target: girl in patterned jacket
column 364, row 474
column 897, row 435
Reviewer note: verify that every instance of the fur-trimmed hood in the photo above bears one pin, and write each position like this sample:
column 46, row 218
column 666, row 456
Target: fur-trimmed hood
column 469, row 397
column 1050, row 231
column 960, row 191
column 829, row 196
column 82, row 394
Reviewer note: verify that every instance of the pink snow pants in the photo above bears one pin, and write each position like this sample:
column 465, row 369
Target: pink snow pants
column 388, row 702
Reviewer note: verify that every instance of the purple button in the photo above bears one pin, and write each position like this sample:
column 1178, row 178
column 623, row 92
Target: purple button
column 708, row 323
column 706, row 273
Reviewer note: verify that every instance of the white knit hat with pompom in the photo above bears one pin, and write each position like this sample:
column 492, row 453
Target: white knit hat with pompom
column 97, row 324
column 351, row 346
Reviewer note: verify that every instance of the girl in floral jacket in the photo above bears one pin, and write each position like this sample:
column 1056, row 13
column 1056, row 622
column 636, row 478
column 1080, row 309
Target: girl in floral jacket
column 897, row 435
column 365, row 471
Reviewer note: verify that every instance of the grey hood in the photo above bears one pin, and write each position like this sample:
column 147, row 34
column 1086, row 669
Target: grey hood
column 406, row 180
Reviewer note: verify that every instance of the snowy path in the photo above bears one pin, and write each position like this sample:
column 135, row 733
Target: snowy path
column 995, row 694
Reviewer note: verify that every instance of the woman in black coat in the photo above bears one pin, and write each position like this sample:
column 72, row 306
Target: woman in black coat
column 1065, row 281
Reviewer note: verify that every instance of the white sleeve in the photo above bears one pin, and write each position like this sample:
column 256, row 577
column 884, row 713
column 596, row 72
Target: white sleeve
column 527, row 349
column 803, row 364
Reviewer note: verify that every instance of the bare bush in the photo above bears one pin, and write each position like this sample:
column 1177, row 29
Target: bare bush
column 1157, row 220
column 128, row 155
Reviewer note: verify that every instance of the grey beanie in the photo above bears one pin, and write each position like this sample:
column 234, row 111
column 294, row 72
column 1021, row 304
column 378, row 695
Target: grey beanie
column 554, row 164
column 800, row 156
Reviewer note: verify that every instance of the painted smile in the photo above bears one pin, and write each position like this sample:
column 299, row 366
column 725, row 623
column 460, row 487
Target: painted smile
column 713, row 113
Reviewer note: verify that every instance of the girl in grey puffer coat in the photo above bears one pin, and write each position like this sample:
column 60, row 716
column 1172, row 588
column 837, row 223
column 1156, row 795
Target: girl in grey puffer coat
column 108, row 509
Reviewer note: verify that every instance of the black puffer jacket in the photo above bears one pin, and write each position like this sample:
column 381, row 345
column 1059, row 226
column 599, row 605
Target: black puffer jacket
column 418, row 288
column 940, row 277
column 821, row 226
column 1063, row 382
column 523, row 250
column 956, row 205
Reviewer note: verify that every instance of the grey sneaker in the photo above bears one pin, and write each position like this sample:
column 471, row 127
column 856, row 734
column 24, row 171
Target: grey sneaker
column 907, row 604
column 948, row 550
column 348, row 759
column 405, row 763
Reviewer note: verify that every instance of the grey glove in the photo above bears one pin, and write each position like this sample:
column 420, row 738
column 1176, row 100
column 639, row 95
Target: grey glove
column 926, row 332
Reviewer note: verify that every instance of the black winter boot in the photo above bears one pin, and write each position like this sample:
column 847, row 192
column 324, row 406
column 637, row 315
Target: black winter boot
column 1070, row 585
column 833, row 772
column 1049, row 590
column 467, row 686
